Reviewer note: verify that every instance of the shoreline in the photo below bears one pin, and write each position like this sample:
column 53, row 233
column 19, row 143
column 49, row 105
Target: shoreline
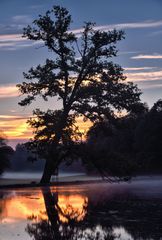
column 8, row 183
column 35, row 185
column 68, row 180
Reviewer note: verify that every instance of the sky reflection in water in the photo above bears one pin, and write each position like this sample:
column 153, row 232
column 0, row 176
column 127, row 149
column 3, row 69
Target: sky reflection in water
column 88, row 212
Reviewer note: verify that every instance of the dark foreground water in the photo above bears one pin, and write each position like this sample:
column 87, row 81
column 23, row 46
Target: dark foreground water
column 91, row 212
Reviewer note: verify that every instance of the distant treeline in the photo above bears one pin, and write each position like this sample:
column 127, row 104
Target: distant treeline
column 24, row 160
column 127, row 145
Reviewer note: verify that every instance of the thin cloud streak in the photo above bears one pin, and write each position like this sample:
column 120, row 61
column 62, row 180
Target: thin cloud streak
column 8, row 91
column 10, row 38
column 138, row 68
column 127, row 52
column 12, row 117
column 149, row 87
column 142, row 56
column 25, row 19
column 18, row 22
column 156, row 33
column 144, row 76
column 16, row 41
column 133, row 25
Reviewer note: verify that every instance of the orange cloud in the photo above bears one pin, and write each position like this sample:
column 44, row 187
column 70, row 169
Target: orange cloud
column 15, row 127
column 8, row 91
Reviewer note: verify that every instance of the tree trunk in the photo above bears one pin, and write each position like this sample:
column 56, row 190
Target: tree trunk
column 51, row 200
column 47, row 172
column 51, row 166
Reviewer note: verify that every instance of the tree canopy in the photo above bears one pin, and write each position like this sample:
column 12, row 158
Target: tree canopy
column 81, row 75
column 128, row 145
column 111, row 145
column 148, row 139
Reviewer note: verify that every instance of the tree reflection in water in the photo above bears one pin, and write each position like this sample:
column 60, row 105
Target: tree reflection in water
column 67, row 224
column 140, row 218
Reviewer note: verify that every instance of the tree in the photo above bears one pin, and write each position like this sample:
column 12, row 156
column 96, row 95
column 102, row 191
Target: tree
column 148, row 139
column 5, row 153
column 80, row 75
column 110, row 145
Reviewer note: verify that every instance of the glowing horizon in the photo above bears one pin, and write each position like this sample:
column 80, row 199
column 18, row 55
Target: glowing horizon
column 16, row 127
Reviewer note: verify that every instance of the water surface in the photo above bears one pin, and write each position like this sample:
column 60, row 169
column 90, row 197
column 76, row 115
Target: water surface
column 35, row 175
column 89, row 211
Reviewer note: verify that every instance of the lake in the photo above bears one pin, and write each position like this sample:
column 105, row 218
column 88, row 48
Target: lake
column 35, row 175
column 102, row 211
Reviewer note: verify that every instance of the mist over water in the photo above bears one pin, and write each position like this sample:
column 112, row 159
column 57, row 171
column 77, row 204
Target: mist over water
column 35, row 175
column 88, row 211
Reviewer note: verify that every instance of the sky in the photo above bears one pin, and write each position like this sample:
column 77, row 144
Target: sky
column 140, row 54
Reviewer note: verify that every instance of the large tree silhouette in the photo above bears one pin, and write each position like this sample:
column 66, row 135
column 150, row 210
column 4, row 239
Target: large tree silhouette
column 81, row 75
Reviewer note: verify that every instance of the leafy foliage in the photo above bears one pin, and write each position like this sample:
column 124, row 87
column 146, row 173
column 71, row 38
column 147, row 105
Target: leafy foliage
column 128, row 145
column 148, row 139
column 80, row 75
column 109, row 150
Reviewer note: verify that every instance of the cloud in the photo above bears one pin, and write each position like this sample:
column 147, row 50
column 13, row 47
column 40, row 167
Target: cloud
column 144, row 76
column 156, row 33
column 152, row 86
column 12, row 28
column 12, row 117
column 11, row 37
column 15, row 41
column 133, row 25
column 8, row 91
column 22, row 19
column 16, row 24
column 36, row 6
column 13, row 110
column 15, row 128
column 148, row 85
column 138, row 68
column 145, row 24
column 142, row 56
column 127, row 52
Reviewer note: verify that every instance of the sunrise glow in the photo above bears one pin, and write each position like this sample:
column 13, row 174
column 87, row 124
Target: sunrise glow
column 20, row 207
column 14, row 127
